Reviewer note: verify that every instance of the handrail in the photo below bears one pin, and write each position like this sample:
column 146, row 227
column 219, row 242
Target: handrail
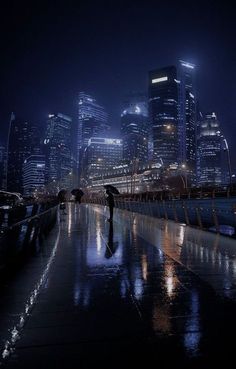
column 30, row 218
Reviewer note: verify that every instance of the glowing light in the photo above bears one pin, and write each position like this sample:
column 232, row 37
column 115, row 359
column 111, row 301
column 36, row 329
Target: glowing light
column 161, row 79
column 187, row 65
column 14, row 332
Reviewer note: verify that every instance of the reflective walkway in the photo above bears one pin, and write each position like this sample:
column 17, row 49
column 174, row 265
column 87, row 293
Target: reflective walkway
column 140, row 292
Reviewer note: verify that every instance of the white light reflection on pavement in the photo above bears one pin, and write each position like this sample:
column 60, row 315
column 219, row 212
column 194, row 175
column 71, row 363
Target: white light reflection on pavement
column 9, row 343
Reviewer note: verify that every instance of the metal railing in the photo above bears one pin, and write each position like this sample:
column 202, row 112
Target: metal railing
column 202, row 212
column 20, row 236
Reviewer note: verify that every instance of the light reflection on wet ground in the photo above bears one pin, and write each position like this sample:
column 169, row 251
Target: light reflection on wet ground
column 123, row 294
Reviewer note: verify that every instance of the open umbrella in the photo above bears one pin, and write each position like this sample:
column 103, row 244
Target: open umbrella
column 113, row 189
column 77, row 191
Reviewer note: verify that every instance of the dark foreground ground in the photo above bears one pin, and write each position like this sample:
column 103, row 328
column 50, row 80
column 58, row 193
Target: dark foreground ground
column 138, row 293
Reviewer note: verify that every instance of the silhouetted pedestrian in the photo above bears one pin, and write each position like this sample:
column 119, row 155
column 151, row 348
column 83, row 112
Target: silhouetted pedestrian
column 62, row 200
column 78, row 197
column 77, row 193
column 111, row 204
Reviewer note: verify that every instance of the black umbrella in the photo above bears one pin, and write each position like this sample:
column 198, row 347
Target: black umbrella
column 113, row 189
column 77, row 191
column 62, row 195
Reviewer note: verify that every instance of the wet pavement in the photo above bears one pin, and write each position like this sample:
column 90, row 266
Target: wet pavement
column 140, row 292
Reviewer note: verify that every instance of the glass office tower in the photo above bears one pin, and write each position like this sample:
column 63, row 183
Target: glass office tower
column 163, row 111
column 187, row 116
column 58, row 143
column 20, row 146
column 92, row 122
column 101, row 154
column 34, row 175
column 209, row 159
column 134, row 128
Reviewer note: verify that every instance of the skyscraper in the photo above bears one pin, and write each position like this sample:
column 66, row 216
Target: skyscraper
column 209, row 160
column 58, row 143
column 92, row 122
column 3, row 163
column 20, row 143
column 102, row 154
column 163, row 111
column 187, row 116
column 34, row 174
column 134, row 128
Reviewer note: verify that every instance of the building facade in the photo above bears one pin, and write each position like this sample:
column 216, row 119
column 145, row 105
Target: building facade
column 92, row 122
column 209, row 158
column 100, row 155
column 187, row 116
column 128, row 178
column 20, row 145
column 34, row 175
column 58, row 157
column 3, row 167
column 135, row 129
column 163, row 113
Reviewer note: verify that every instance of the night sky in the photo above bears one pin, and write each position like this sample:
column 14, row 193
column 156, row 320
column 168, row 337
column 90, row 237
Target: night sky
column 51, row 52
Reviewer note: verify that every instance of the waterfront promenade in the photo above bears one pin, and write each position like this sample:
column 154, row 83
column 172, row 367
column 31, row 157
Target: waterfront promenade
column 140, row 292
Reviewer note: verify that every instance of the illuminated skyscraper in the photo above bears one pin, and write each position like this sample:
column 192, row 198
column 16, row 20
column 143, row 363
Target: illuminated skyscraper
column 58, row 143
column 20, row 145
column 187, row 116
column 209, row 160
column 101, row 154
column 34, row 174
column 134, row 129
column 92, row 122
column 163, row 111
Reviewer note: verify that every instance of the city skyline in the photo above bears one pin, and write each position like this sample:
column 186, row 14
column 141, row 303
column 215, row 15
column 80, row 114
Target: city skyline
column 50, row 53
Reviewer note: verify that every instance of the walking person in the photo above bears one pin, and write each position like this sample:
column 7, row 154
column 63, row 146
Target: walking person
column 111, row 203
column 62, row 200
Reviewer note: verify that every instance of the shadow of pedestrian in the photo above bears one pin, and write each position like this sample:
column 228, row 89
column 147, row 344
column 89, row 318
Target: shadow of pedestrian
column 111, row 246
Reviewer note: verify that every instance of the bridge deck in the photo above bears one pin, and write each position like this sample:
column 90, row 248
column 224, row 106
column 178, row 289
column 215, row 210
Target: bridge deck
column 108, row 296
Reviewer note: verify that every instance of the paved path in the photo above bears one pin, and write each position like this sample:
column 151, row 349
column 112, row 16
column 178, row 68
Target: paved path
column 125, row 295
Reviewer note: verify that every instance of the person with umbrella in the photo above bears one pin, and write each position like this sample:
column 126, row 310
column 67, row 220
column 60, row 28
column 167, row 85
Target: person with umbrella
column 61, row 196
column 110, row 190
column 78, row 193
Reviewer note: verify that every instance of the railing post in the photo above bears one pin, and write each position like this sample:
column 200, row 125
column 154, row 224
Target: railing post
column 174, row 211
column 186, row 213
column 199, row 219
column 215, row 217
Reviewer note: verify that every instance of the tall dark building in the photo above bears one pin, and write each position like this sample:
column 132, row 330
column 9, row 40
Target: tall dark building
column 58, row 143
column 20, row 145
column 134, row 128
column 163, row 112
column 92, row 122
column 2, row 167
column 187, row 116
column 209, row 158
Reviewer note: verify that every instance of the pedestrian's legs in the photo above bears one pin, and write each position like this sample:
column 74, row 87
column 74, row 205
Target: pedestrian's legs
column 111, row 212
